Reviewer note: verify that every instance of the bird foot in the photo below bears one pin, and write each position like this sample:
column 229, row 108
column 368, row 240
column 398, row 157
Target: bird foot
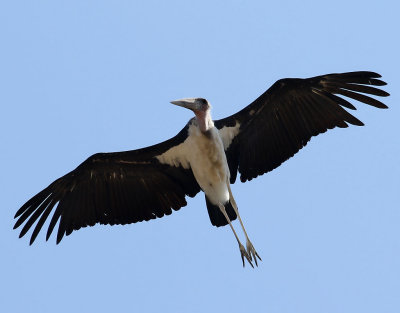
column 246, row 255
column 252, row 252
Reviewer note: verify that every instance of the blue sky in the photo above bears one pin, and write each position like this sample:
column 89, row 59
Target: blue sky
column 80, row 77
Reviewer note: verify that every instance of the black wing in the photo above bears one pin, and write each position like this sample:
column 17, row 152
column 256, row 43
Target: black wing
column 111, row 188
column 284, row 118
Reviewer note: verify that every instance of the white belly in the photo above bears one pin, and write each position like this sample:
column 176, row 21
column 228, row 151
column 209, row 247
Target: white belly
column 206, row 157
column 208, row 162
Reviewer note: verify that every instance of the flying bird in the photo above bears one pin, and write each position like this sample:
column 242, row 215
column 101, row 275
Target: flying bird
column 140, row 185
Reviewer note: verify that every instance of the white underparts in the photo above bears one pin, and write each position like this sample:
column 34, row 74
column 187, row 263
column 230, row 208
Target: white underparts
column 205, row 155
column 228, row 133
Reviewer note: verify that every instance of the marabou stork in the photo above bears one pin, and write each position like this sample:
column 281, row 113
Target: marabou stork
column 140, row 185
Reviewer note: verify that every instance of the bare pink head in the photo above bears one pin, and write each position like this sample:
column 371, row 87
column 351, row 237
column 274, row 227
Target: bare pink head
column 201, row 109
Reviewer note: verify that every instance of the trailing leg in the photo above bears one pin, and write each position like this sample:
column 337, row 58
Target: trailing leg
column 243, row 252
column 249, row 246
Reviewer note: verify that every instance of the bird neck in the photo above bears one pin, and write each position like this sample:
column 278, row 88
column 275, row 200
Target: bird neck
column 204, row 120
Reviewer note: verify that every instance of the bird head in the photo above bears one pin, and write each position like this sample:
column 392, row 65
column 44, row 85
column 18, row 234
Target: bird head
column 197, row 105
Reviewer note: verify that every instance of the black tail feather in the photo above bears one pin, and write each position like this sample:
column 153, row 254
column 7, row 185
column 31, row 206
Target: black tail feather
column 216, row 217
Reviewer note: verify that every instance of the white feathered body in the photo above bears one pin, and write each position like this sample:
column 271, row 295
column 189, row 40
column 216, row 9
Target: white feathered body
column 204, row 153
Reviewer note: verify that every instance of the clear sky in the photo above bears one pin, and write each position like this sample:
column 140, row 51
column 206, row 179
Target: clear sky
column 80, row 77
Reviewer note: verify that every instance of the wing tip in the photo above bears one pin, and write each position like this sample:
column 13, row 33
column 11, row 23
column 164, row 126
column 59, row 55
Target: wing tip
column 374, row 74
column 60, row 236
column 20, row 211
column 16, row 225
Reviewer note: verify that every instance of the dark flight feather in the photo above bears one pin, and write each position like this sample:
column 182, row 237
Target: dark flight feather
column 284, row 118
column 111, row 188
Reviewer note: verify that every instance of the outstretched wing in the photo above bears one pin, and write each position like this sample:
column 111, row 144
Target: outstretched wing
column 112, row 188
column 282, row 120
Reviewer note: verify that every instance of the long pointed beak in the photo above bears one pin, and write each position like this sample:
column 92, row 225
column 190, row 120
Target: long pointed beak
column 188, row 103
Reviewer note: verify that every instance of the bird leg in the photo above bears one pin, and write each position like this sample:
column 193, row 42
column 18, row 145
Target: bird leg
column 243, row 252
column 249, row 246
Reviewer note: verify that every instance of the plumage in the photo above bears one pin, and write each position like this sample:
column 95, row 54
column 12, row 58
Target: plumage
column 289, row 113
column 144, row 184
